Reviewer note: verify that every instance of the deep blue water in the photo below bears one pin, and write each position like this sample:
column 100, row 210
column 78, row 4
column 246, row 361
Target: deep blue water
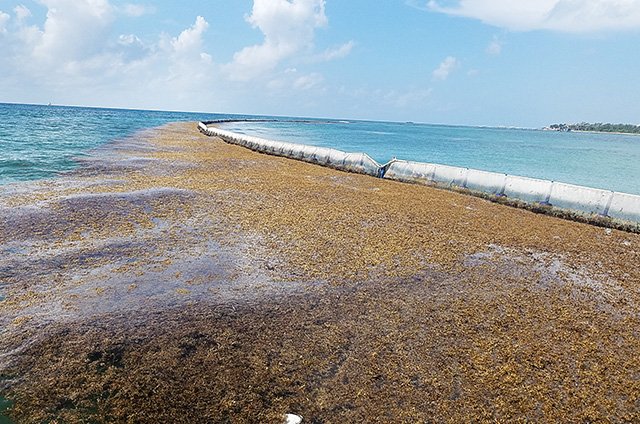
column 41, row 141
column 607, row 161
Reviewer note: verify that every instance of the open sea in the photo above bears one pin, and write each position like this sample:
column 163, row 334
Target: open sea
column 42, row 141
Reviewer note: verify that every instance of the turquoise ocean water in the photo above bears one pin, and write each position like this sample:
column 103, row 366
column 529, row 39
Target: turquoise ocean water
column 41, row 141
column 607, row 161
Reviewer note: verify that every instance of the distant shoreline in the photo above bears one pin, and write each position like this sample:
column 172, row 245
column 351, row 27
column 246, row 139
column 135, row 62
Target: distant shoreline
column 607, row 132
column 593, row 132
column 598, row 128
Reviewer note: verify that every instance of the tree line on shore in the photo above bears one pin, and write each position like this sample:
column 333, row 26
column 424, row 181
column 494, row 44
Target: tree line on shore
column 597, row 127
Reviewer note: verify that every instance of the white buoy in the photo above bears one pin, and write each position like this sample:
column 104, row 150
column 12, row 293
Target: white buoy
column 293, row 419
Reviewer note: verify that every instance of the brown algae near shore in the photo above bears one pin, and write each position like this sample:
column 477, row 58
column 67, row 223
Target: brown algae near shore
column 243, row 286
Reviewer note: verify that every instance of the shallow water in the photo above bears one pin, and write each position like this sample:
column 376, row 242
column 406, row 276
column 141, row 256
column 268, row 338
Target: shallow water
column 40, row 141
column 5, row 404
column 606, row 161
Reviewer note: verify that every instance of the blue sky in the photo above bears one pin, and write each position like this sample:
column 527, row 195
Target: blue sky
column 475, row 62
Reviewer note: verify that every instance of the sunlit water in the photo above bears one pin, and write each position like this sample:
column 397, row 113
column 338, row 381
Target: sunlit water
column 607, row 161
column 41, row 141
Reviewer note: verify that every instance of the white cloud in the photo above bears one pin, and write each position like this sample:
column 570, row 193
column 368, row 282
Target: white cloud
column 288, row 27
column 4, row 18
column 76, row 52
column 136, row 10
column 72, row 56
column 307, row 82
column 336, row 53
column 290, row 79
column 448, row 65
column 22, row 12
column 277, row 85
column 131, row 48
column 191, row 38
column 556, row 15
column 73, row 29
column 187, row 66
column 495, row 47
column 129, row 40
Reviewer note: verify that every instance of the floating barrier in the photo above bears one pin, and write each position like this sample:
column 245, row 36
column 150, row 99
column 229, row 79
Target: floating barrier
column 589, row 202
column 359, row 163
column 625, row 207
column 486, row 182
column 530, row 190
column 583, row 199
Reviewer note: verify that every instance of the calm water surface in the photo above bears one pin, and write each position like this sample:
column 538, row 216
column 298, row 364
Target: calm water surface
column 42, row 141
column 607, row 161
